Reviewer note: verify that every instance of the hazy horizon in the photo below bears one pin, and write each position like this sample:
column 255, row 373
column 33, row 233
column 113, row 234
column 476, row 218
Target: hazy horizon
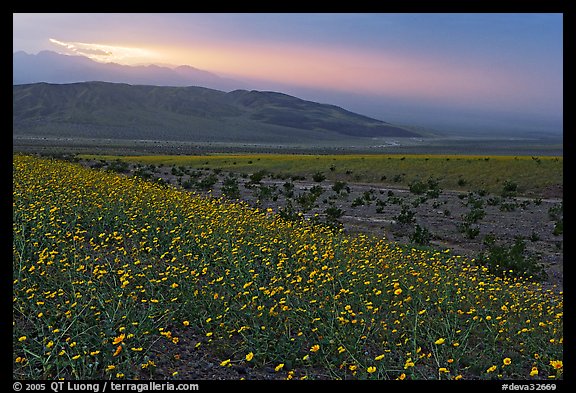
column 467, row 72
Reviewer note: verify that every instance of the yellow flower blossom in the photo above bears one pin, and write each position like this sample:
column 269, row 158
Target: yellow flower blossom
column 557, row 364
column 225, row 362
column 119, row 339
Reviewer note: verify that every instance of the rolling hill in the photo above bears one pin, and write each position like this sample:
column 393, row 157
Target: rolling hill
column 122, row 111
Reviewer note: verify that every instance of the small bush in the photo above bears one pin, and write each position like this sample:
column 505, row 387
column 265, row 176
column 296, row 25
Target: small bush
column 257, row 177
column 230, row 188
column 421, row 236
column 509, row 189
column 510, row 260
column 339, row 186
column 333, row 214
column 418, row 187
column 406, row 216
column 318, row 177
column 119, row 166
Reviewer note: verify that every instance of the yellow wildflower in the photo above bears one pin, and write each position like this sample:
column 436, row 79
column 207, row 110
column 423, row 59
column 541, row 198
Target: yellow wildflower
column 225, row 362
column 557, row 364
column 119, row 339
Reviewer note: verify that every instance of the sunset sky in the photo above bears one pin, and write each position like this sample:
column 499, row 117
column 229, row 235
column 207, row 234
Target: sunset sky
column 507, row 63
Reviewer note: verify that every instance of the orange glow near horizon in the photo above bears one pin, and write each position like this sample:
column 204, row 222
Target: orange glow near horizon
column 326, row 67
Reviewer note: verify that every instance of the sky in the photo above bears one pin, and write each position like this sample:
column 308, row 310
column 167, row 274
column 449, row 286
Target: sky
column 407, row 66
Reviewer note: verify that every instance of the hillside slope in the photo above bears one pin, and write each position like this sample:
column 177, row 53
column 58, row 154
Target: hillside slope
column 122, row 111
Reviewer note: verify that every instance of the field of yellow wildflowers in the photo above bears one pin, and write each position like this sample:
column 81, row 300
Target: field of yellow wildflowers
column 105, row 266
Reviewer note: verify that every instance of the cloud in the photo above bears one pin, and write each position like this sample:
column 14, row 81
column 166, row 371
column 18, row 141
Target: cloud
column 106, row 53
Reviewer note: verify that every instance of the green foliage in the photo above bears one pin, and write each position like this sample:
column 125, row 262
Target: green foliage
column 470, row 230
column 257, row 177
column 418, row 187
column 474, row 215
column 340, row 186
column 406, row 215
column 509, row 189
column 119, row 166
column 230, row 188
column 207, row 182
column 142, row 173
column 316, row 190
column 289, row 213
column 420, row 236
column 479, row 174
column 318, row 177
column 558, row 227
column 306, row 200
column 333, row 213
column 510, row 260
column 358, row 201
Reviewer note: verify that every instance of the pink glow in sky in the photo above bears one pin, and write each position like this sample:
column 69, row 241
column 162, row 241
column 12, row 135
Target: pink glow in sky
column 498, row 61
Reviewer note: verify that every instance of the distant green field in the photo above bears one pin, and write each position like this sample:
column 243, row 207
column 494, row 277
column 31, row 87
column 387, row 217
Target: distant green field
column 453, row 172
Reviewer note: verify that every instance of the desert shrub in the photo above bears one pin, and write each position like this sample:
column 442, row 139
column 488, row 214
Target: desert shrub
column 406, row 216
column 418, row 187
column 358, row 201
column 230, row 188
column 119, row 166
column 257, row 177
column 208, row 182
column 469, row 230
column 317, row 190
column 340, row 186
column 510, row 260
column 333, row 213
column 509, row 189
column 421, row 235
column 318, row 177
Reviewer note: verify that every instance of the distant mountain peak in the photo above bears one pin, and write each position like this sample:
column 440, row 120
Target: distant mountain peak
column 53, row 67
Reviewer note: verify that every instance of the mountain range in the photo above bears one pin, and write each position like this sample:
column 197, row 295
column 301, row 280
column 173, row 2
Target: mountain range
column 124, row 111
column 52, row 67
